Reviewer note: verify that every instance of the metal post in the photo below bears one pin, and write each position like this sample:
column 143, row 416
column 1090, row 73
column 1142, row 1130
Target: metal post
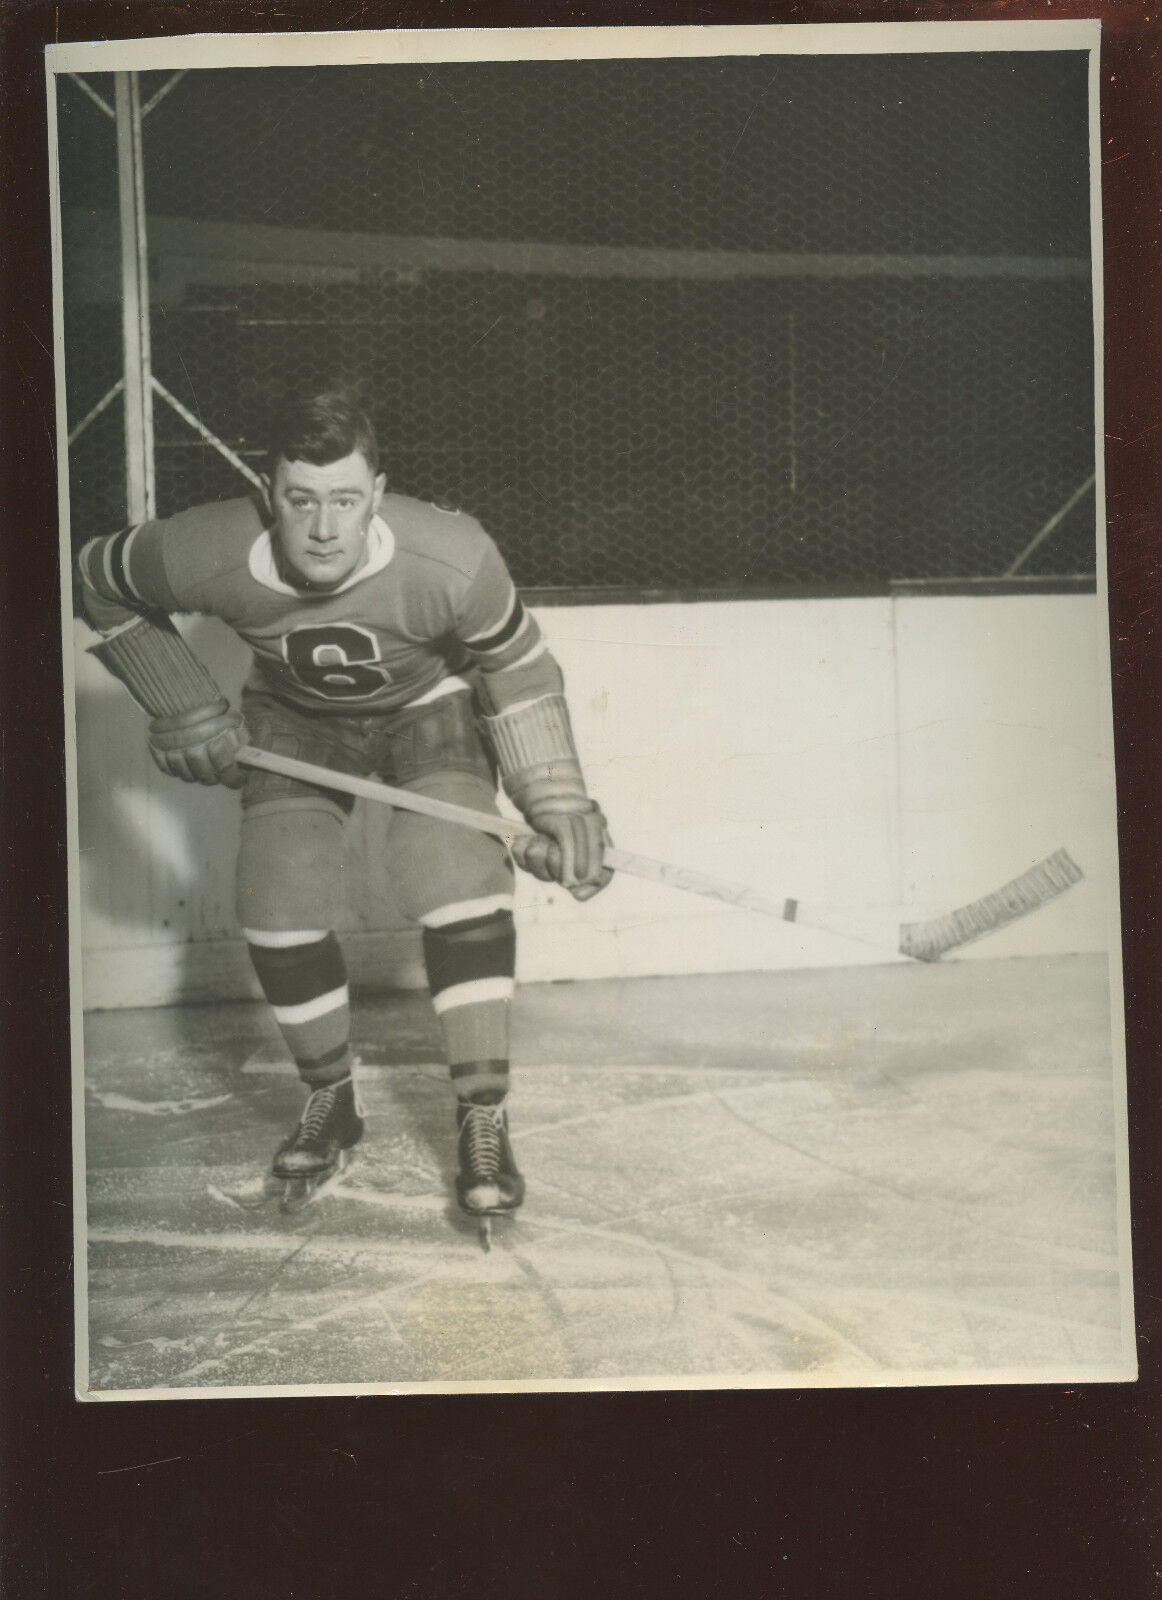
column 139, row 468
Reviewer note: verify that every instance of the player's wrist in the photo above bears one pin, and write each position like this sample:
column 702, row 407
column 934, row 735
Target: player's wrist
column 552, row 789
column 180, row 721
column 556, row 810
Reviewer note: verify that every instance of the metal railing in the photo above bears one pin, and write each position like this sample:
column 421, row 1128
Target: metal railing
column 138, row 383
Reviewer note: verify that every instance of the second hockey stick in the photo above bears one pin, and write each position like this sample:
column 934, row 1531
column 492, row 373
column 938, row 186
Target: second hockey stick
column 922, row 941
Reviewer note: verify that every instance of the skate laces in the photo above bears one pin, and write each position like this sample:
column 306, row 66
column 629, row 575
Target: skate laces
column 481, row 1132
column 317, row 1110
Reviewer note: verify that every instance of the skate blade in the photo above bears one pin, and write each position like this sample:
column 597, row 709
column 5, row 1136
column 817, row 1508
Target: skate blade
column 485, row 1224
column 297, row 1193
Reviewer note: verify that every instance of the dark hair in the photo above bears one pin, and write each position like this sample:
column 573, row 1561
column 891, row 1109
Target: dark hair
column 322, row 428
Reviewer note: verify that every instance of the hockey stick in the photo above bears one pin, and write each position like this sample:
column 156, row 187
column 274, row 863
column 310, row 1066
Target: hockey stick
column 922, row 941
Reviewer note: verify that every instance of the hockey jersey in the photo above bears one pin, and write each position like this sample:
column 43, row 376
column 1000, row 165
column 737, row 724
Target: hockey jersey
column 433, row 598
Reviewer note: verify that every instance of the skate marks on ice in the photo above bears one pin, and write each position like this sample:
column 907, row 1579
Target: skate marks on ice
column 690, row 1221
column 560, row 1297
column 113, row 1101
column 522, row 1300
column 910, row 1233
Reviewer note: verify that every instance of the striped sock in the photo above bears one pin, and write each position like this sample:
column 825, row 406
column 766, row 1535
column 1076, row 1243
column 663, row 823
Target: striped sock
column 304, row 978
column 470, row 973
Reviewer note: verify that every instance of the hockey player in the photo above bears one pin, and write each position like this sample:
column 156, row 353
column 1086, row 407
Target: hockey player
column 381, row 627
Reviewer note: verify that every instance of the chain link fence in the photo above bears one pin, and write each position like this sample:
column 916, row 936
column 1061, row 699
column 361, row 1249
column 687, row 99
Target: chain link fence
column 741, row 324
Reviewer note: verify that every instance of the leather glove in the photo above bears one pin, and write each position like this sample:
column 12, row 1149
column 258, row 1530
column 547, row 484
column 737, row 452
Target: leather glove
column 568, row 846
column 200, row 746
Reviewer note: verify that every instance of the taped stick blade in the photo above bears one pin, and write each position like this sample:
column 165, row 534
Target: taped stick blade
column 928, row 941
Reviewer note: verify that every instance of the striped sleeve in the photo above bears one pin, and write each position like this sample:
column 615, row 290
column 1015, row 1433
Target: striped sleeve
column 493, row 624
column 504, row 641
column 123, row 575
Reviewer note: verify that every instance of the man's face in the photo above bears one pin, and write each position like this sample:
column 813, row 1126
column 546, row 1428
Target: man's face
column 321, row 518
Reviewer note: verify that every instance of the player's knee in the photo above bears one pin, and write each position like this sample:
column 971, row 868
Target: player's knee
column 439, row 869
column 289, row 872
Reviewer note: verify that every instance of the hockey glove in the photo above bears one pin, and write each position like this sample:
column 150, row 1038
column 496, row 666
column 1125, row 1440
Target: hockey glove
column 194, row 735
column 200, row 746
column 567, row 847
column 540, row 770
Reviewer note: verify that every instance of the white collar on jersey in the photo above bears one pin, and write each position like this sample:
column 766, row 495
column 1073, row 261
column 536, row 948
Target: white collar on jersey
column 264, row 567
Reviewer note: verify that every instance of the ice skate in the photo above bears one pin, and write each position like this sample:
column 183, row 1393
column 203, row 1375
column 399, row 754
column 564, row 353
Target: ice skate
column 488, row 1183
column 317, row 1151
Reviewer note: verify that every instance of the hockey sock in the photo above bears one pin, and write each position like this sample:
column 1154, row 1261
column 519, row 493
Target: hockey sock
column 304, row 978
column 481, row 1083
column 470, row 968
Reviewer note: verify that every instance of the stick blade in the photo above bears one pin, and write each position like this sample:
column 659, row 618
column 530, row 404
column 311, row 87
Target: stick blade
column 928, row 941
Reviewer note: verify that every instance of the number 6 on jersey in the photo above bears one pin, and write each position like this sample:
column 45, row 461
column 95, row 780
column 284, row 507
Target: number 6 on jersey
column 334, row 659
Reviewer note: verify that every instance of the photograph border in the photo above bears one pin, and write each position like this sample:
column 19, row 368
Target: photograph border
column 1047, row 1491
column 926, row 38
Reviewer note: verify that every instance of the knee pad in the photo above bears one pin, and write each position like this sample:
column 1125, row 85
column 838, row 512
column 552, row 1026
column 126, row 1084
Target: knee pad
column 290, row 866
column 444, row 873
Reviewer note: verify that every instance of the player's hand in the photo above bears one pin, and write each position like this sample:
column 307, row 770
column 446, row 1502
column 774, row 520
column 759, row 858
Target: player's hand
column 200, row 746
column 568, row 847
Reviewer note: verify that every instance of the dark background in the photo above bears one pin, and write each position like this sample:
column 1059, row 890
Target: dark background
column 910, row 397
column 1029, row 1492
